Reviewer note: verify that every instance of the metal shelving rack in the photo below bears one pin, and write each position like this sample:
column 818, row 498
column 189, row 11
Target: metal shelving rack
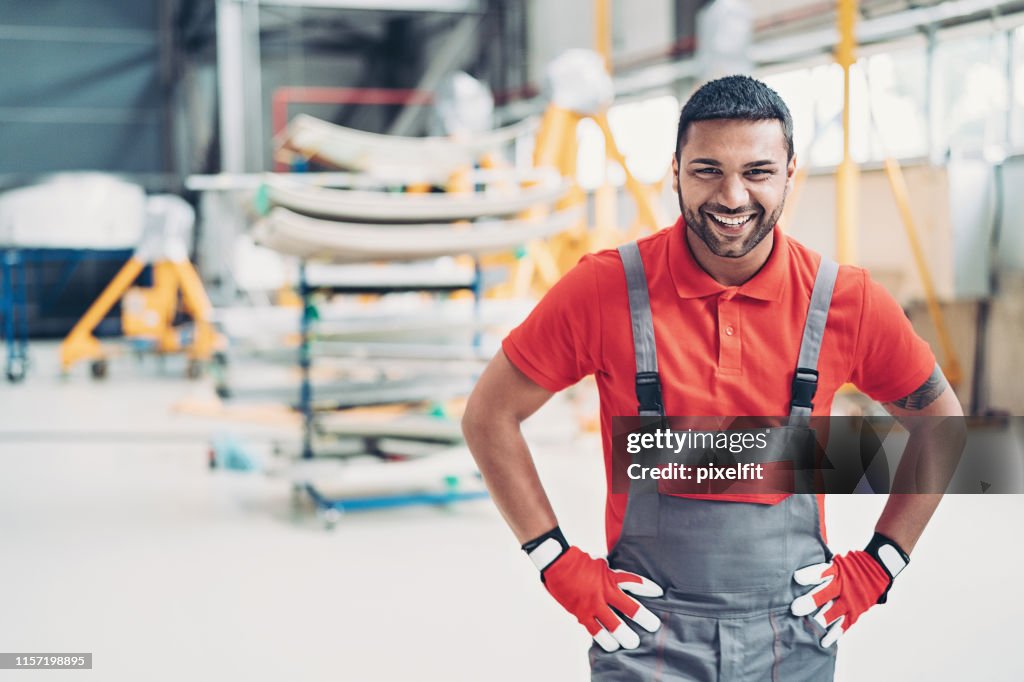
column 333, row 508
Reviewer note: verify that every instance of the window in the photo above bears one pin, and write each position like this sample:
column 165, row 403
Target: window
column 815, row 100
column 897, row 91
column 795, row 89
column 1017, row 117
column 826, row 148
column 971, row 97
column 645, row 133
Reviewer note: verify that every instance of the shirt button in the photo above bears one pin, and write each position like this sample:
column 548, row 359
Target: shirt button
column 729, row 330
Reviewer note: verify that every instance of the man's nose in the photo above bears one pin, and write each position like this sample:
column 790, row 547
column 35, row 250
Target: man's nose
column 732, row 193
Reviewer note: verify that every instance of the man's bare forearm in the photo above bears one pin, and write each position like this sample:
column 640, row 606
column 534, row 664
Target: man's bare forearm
column 501, row 400
column 905, row 518
column 933, row 416
column 507, row 466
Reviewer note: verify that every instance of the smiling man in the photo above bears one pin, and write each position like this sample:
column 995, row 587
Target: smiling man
column 719, row 315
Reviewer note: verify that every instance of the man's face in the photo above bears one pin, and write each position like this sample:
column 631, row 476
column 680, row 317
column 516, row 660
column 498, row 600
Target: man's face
column 731, row 179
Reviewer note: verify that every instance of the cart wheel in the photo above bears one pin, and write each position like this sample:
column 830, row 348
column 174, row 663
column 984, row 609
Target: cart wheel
column 98, row 368
column 220, row 359
column 194, row 369
column 15, row 370
column 331, row 516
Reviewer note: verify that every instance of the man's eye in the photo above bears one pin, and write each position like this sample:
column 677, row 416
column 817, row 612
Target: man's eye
column 708, row 171
column 760, row 171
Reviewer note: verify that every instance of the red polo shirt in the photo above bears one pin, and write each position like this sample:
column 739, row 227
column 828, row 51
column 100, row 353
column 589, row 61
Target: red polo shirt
column 722, row 350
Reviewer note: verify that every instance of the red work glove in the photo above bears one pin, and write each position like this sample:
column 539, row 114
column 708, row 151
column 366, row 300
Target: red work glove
column 849, row 585
column 589, row 589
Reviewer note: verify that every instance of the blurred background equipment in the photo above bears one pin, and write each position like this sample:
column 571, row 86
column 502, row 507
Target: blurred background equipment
column 357, row 226
column 463, row 105
column 148, row 313
column 328, row 213
column 48, row 231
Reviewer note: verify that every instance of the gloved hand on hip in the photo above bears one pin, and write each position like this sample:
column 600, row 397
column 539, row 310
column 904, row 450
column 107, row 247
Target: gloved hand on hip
column 589, row 589
column 849, row 585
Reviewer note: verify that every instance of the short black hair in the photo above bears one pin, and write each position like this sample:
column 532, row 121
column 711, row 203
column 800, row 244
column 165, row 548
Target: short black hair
column 738, row 97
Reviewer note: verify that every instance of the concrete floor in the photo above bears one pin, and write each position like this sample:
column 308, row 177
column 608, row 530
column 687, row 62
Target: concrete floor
column 117, row 540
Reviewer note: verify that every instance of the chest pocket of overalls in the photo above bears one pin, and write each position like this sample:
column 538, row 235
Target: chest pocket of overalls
column 718, row 546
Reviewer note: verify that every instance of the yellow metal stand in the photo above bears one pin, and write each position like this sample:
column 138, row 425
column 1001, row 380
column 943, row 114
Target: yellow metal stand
column 951, row 363
column 846, row 197
column 847, row 173
column 646, row 208
column 556, row 148
column 603, row 31
column 148, row 312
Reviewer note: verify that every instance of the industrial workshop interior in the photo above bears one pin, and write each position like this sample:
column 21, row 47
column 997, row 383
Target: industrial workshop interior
column 319, row 323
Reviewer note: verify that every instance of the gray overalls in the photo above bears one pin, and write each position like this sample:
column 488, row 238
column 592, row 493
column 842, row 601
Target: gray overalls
column 726, row 567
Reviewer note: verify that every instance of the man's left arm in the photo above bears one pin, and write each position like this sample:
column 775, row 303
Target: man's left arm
column 929, row 460
column 844, row 588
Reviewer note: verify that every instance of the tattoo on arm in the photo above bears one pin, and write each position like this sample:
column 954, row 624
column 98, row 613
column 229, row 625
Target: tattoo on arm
column 925, row 394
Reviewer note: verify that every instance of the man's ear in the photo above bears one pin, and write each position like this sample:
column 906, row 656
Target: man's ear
column 790, row 172
column 675, row 174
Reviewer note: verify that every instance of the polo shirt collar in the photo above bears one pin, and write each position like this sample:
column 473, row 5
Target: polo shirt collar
column 691, row 281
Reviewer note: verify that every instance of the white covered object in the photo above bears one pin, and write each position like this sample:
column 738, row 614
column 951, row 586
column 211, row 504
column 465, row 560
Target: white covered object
column 341, row 242
column 168, row 232
column 399, row 159
column 73, row 211
column 463, row 105
column 725, row 32
column 256, row 268
column 577, row 80
column 389, row 207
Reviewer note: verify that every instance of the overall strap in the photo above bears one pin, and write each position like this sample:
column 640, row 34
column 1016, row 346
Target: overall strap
column 648, row 384
column 805, row 380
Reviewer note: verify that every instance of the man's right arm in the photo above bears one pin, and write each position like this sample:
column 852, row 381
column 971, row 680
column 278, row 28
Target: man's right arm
column 502, row 399
column 557, row 345
column 586, row 587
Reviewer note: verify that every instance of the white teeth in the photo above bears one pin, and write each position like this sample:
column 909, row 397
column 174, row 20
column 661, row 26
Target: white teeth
column 732, row 222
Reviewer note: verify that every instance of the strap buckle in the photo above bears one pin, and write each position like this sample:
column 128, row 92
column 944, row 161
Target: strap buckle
column 805, row 385
column 648, row 393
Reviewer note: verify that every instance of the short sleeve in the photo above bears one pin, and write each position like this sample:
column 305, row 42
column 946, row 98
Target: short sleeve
column 891, row 359
column 559, row 342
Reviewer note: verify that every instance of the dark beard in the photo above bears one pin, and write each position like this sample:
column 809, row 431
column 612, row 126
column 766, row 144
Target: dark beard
column 698, row 222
